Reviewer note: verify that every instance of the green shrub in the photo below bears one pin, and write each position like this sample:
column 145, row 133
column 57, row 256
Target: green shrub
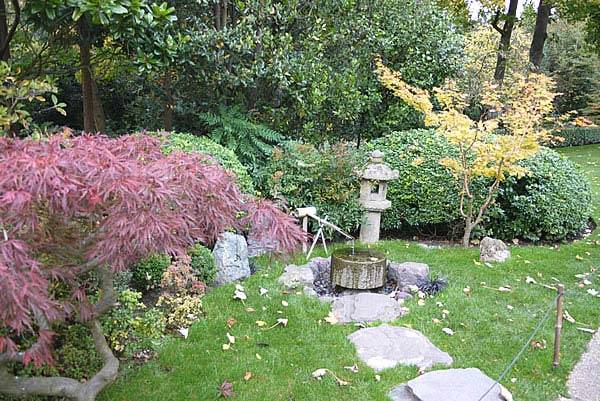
column 425, row 193
column 147, row 273
column 576, row 136
column 203, row 263
column 129, row 327
column 304, row 176
column 552, row 203
column 224, row 156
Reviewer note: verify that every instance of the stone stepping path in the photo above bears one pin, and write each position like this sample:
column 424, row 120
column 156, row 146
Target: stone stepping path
column 385, row 347
column 366, row 307
column 450, row 385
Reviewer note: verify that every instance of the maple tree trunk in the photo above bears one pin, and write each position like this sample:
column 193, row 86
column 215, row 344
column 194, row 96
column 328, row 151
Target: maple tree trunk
column 99, row 117
column 5, row 55
column 505, row 36
column 87, row 88
column 65, row 386
column 466, row 240
column 536, row 51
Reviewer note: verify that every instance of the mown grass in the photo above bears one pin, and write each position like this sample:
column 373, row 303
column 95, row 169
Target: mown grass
column 488, row 333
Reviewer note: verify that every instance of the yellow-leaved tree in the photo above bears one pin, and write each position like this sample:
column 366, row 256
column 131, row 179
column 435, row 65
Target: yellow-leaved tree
column 510, row 129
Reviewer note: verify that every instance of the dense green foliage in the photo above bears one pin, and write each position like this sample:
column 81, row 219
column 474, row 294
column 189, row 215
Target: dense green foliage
column 147, row 273
column 553, row 202
column 424, row 194
column 225, row 157
column 301, row 175
column 203, row 263
column 576, row 136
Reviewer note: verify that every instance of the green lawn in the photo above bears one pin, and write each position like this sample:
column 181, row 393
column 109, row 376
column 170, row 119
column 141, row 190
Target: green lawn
column 487, row 332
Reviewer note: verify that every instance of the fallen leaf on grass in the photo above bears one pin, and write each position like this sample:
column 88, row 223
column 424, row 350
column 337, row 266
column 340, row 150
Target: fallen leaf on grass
column 261, row 323
column 377, row 378
column 250, row 310
column 248, row 376
column 230, row 338
column 226, row 347
column 285, row 303
column 263, row 291
column 241, row 295
column 319, row 373
column 230, row 322
column 331, row 318
column 592, row 292
column 578, row 257
column 258, row 357
column 226, row 389
column 421, row 302
column 586, row 330
column 353, row 368
column 504, row 289
column 184, row 331
column 538, row 344
column 530, row 280
column 568, row 317
column 280, row 322
column 448, row 331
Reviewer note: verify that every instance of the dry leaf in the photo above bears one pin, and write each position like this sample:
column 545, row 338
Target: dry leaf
column 241, row 295
column 353, row 368
column 282, row 321
column 239, row 287
column 226, row 389
column 258, row 357
column 448, row 331
column 284, row 303
column 248, row 376
column 263, row 291
column 538, row 344
column 592, row 292
column 585, row 330
column 436, row 321
column 331, row 318
column 230, row 322
column 488, row 264
column 226, row 347
column 530, row 280
column 568, row 317
column 421, row 302
column 250, row 310
column 504, row 289
column 319, row 373
column 510, row 307
column 578, row 257
column 184, row 331
column 377, row 378
column 230, row 338
column 261, row 323
column 476, row 262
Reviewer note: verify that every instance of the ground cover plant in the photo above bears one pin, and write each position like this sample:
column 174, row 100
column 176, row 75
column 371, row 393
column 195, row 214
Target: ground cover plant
column 489, row 328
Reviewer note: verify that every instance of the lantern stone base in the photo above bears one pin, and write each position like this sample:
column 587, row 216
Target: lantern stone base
column 369, row 229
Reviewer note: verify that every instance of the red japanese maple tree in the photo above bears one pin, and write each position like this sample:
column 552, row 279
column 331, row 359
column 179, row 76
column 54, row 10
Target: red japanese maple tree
column 75, row 206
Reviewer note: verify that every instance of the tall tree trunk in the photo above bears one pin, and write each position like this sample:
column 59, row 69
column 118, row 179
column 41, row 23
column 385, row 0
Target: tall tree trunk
column 466, row 240
column 6, row 34
column 87, row 89
column 217, row 14
column 5, row 55
column 99, row 117
column 505, row 36
column 168, row 104
column 536, row 51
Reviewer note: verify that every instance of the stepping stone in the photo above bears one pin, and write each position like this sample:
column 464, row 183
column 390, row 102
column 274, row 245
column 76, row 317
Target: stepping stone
column 296, row 277
column 384, row 347
column 366, row 307
column 450, row 385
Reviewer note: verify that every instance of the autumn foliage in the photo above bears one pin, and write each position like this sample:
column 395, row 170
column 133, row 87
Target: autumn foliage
column 77, row 209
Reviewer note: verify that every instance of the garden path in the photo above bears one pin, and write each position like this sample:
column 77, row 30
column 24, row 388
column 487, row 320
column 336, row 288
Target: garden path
column 584, row 380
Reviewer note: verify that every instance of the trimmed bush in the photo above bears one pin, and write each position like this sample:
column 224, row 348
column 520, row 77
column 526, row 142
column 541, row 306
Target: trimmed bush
column 203, row 263
column 225, row 157
column 147, row 273
column 301, row 175
column 552, row 203
column 577, row 136
column 425, row 193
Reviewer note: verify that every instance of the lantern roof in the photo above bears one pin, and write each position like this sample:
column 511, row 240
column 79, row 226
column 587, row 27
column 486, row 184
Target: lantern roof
column 377, row 170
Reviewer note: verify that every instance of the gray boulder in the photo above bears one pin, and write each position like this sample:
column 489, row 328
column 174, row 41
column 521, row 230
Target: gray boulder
column 450, row 385
column 297, row 277
column 407, row 273
column 366, row 307
column 384, row 347
column 493, row 250
column 231, row 258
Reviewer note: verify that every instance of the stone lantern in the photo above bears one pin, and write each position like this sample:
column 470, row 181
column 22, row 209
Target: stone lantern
column 373, row 190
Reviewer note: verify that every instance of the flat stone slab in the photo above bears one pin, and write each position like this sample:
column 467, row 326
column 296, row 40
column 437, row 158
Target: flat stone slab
column 450, row 385
column 584, row 380
column 296, row 277
column 366, row 307
column 385, row 346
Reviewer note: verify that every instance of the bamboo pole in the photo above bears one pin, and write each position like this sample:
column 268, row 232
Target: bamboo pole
column 559, row 323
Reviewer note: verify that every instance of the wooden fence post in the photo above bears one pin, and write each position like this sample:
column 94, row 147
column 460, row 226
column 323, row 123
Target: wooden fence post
column 558, row 326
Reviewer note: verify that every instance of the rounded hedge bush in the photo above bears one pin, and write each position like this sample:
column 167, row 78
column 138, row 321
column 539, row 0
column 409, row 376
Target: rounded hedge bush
column 302, row 175
column 552, row 202
column 203, row 263
column 225, row 157
column 147, row 273
column 424, row 193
